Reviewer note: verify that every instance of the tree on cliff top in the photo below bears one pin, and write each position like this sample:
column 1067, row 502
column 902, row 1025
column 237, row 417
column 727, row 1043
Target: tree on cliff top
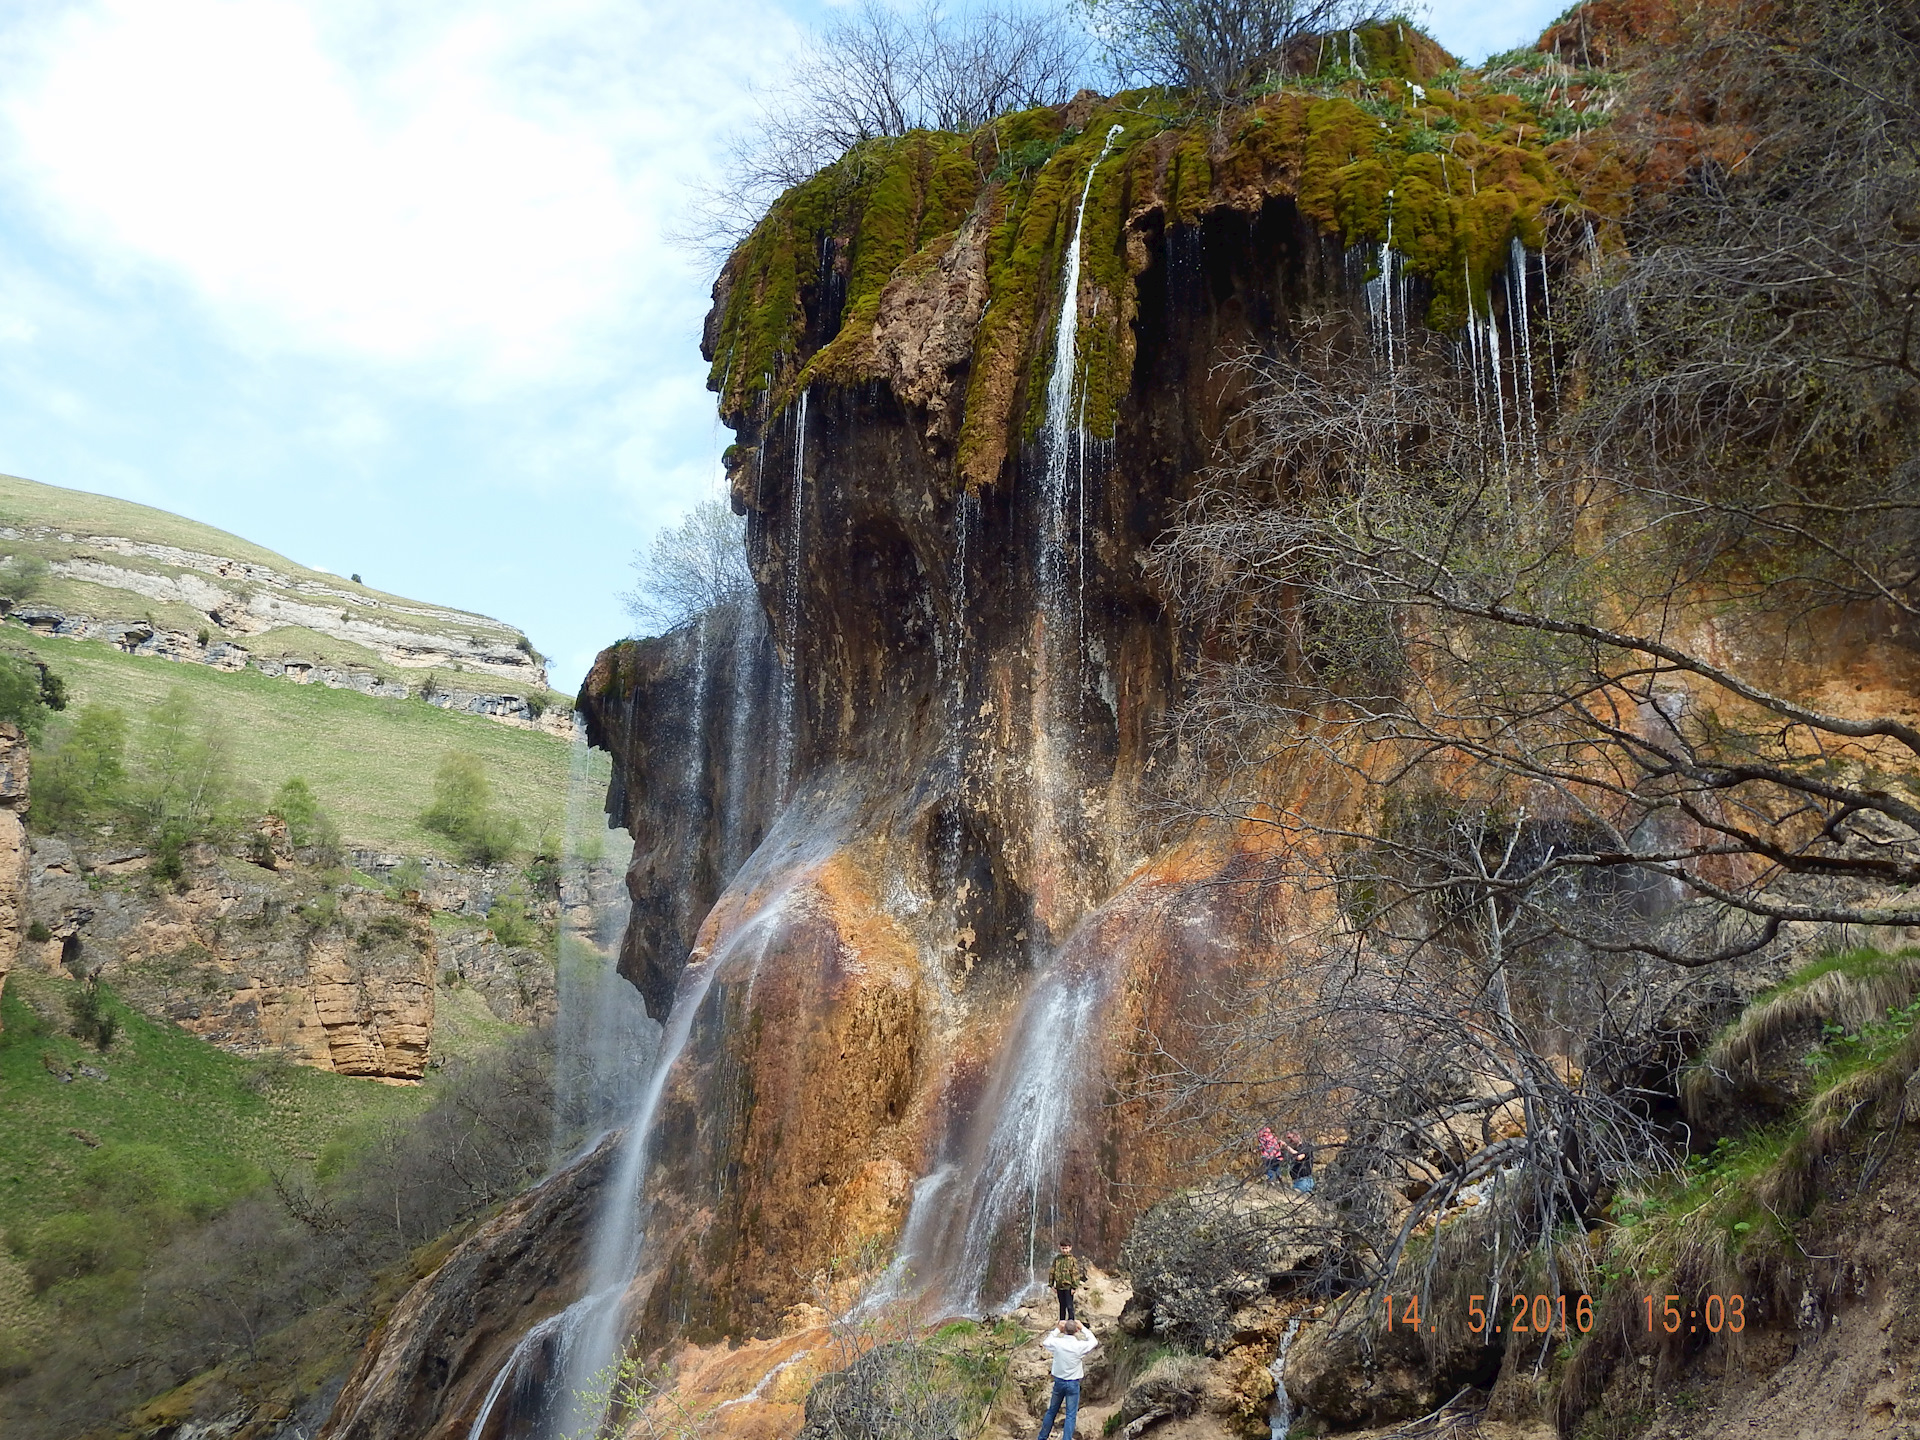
column 875, row 72
column 1215, row 50
column 697, row 566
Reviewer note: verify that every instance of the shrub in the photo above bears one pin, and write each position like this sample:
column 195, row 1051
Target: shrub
column 25, row 692
column 308, row 825
column 82, row 776
column 507, row 918
column 408, row 875
column 23, row 576
column 463, row 811
column 91, row 1020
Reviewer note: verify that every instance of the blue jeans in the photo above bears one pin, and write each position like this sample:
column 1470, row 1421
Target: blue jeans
column 1069, row 1391
column 1304, row 1184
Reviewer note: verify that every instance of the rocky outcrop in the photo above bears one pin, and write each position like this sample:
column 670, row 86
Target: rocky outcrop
column 457, row 1328
column 14, row 792
column 231, row 605
column 257, row 960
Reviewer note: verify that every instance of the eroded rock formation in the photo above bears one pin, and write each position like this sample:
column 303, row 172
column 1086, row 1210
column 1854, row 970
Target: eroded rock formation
column 899, row 875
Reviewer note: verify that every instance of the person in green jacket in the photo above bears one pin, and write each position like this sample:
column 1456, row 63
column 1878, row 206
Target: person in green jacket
column 1068, row 1274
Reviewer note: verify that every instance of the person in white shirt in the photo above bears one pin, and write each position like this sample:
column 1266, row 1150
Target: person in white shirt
column 1069, row 1341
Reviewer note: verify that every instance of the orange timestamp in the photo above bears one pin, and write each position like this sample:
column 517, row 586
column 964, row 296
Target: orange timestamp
column 1544, row 1314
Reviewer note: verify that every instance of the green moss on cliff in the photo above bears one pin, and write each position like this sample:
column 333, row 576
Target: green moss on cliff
column 1449, row 176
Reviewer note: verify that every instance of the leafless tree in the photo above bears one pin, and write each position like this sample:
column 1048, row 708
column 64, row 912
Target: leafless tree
column 693, row 567
column 878, row 72
column 1216, row 49
column 1530, row 691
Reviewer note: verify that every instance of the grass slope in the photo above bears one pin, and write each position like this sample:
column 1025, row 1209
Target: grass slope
column 370, row 761
column 225, row 1122
column 28, row 502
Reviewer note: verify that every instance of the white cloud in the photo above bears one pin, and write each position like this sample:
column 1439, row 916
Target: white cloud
column 473, row 191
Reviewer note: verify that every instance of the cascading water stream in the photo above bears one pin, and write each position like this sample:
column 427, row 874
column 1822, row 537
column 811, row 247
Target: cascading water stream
column 1063, row 418
column 1280, row 1413
column 603, row 1036
column 586, row 1338
column 796, row 521
column 1523, row 331
column 1034, row 1114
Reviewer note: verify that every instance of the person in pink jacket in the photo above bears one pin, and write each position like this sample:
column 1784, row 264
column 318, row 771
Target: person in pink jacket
column 1069, row 1341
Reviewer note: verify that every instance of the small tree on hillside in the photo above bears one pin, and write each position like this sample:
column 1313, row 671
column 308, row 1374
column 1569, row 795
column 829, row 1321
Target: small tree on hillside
column 81, row 776
column 464, row 812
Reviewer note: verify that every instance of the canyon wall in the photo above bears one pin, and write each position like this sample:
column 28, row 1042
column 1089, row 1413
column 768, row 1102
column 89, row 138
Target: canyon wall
column 965, row 916
column 902, row 878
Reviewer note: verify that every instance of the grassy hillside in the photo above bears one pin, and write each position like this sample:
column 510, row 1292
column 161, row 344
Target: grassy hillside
column 164, row 1110
column 83, row 514
column 370, row 761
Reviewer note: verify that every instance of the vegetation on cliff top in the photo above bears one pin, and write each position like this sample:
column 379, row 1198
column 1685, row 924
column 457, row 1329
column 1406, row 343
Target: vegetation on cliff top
column 1385, row 140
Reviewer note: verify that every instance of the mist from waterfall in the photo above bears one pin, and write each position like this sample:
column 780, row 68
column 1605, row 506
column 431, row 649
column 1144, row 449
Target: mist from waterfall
column 603, row 1037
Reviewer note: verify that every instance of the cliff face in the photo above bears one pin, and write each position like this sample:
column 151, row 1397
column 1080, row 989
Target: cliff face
column 899, row 885
column 14, row 789
column 962, row 918
column 155, row 584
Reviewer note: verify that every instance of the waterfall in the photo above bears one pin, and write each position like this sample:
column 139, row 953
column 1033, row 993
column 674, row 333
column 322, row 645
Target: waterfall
column 1280, row 1415
column 1034, row 1113
column 796, row 521
column 1382, row 312
column 586, row 1339
column 1523, row 333
column 603, row 1035
column 747, row 620
column 1495, row 368
column 1063, row 420
column 544, row 1344
column 614, row 1258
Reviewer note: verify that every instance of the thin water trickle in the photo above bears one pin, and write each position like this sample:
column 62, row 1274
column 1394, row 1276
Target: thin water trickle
column 796, row 521
column 1063, row 419
column 748, row 622
column 1495, row 371
column 603, row 1038
column 1523, row 333
column 1280, row 1414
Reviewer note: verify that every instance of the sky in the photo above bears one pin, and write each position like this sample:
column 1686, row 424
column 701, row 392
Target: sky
column 390, row 288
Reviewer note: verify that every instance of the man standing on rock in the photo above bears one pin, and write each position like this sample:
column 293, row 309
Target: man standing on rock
column 1068, row 1274
column 1069, row 1341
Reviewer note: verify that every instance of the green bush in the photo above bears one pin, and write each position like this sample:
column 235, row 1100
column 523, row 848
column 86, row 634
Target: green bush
column 28, row 694
column 507, row 918
column 463, row 811
column 308, row 825
column 78, row 1244
column 82, row 776
column 92, row 1021
column 408, row 876
column 23, row 576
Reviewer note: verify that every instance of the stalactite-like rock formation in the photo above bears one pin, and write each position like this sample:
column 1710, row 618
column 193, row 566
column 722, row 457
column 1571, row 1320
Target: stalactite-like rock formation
column 961, row 916
column 895, row 837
